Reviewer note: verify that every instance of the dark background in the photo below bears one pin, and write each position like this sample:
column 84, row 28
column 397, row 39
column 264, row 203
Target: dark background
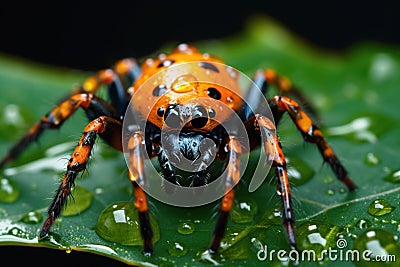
column 89, row 37
column 93, row 36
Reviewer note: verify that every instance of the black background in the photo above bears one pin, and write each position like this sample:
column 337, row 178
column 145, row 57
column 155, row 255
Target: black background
column 89, row 37
column 92, row 36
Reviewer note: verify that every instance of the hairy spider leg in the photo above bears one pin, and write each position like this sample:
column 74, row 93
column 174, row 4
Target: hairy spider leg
column 311, row 133
column 54, row 119
column 273, row 149
column 168, row 170
column 261, row 81
column 231, row 180
column 113, row 78
column 287, row 88
column 76, row 164
column 136, row 150
column 81, row 97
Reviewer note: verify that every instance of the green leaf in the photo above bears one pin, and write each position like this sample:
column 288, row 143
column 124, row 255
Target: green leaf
column 356, row 95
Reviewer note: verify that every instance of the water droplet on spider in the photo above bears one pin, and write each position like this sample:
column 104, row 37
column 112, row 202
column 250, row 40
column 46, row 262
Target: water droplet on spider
column 299, row 172
column 393, row 177
column 177, row 250
column 82, row 200
column 9, row 191
column 372, row 159
column 186, row 228
column 232, row 72
column 380, row 207
column 119, row 223
column 378, row 242
column 31, row 217
column 185, row 83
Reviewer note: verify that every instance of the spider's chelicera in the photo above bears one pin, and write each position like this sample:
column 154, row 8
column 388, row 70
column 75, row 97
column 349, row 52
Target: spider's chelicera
column 188, row 110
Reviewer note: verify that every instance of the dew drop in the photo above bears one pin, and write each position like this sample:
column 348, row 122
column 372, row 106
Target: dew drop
column 12, row 115
column 363, row 224
column 185, row 83
column 299, row 172
column 9, row 191
column 380, row 207
column 82, row 200
column 382, row 66
column 372, row 159
column 32, row 217
column 119, row 223
column 377, row 242
column 330, row 192
column 256, row 245
column 186, row 228
column 230, row 235
column 243, row 210
column 317, row 235
column 393, row 177
column 176, row 249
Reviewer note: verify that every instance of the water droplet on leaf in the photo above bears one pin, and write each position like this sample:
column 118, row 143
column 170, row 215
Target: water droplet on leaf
column 380, row 207
column 82, row 199
column 9, row 191
column 176, row 249
column 243, row 210
column 372, row 159
column 317, row 236
column 377, row 242
column 393, row 177
column 185, row 228
column 299, row 172
column 119, row 223
column 32, row 217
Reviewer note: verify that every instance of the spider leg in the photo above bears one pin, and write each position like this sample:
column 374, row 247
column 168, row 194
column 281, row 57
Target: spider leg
column 168, row 170
column 273, row 148
column 312, row 134
column 76, row 164
column 55, row 118
column 113, row 79
column 262, row 79
column 84, row 97
column 232, row 178
column 136, row 150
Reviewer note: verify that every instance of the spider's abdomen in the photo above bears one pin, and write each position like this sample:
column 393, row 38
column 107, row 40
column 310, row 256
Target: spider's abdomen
column 189, row 81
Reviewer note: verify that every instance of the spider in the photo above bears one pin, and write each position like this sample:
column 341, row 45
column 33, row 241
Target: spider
column 177, row 109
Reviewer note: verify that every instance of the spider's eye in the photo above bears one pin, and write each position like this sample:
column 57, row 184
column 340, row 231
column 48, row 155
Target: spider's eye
column 160, row 112
column 211, row 113
column 199, row 117
column 214, row 93
column 171, row 117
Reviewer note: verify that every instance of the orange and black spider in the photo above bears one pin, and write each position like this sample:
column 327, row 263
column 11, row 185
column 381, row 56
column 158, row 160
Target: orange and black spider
column 171, row 104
